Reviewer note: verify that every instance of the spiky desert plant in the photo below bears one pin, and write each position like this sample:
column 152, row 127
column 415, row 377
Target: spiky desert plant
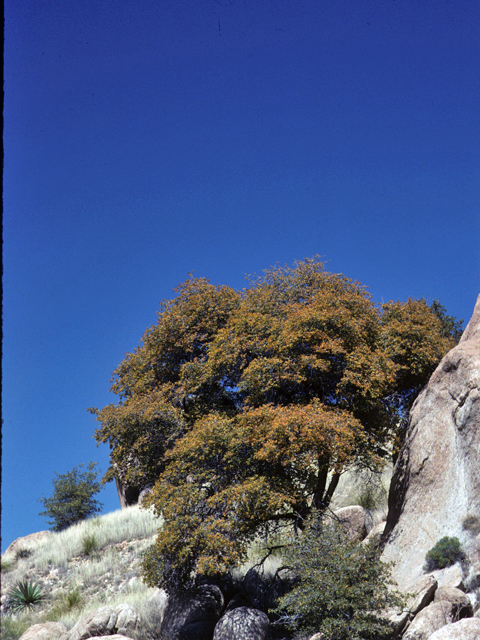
column 26, row 595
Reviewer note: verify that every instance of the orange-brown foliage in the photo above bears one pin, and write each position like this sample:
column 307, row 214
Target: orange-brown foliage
column 243, row 409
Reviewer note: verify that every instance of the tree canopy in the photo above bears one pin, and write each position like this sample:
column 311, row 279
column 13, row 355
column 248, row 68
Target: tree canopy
column 242, row 409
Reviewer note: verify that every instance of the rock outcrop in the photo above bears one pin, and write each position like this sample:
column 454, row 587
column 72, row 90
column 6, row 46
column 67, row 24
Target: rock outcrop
column 44, row 631
column 26, row 543
column 436, row 480
column 468, row 629
column 121, row 620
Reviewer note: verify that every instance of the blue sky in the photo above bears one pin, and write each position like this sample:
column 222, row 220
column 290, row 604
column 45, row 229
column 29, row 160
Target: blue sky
column 148, row 139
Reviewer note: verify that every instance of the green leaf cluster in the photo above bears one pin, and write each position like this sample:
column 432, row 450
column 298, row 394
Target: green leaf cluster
column 342, row 587
column 72, row 499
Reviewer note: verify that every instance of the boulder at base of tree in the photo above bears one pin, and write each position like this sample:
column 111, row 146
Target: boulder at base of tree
column 242, row 623
column 353, row 520
column 106, row 621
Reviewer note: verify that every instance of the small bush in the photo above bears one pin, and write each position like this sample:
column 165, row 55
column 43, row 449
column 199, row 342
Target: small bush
column 342, row 586
column 64, row 603
column 446, row 552
column 472, row 525
column 23, row 553
column 25, row 595
column 89, row 543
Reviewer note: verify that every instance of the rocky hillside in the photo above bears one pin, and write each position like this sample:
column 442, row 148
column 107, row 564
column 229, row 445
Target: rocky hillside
column 90, row 565
column 95, row 564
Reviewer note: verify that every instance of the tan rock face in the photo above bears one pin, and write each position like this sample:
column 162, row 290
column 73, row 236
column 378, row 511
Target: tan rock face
column 26, row 542
column 429, row 620
column 44, row 631
column 468, row 629
column 106, row 621
column 436, row 481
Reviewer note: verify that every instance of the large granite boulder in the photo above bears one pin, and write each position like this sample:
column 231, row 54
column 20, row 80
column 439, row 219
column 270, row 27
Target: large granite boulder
column 26, row 543
column 436, row 480
column 107, row 621
column 242, row 623
column 429, row 620
column 468, row 629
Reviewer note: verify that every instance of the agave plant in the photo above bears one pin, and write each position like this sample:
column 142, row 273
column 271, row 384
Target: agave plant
column 26, row 595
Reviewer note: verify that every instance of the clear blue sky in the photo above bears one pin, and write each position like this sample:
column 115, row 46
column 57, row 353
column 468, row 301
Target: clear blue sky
column 146, row 139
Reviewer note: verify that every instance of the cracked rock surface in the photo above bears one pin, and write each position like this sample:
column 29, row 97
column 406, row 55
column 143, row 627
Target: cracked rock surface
column 436, row 481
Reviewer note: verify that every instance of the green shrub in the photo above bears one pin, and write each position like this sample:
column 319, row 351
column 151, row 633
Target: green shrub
column 25, row 595
column 446, row 552
column 472, row 524
column 72, row 499
column 341, row 588
column 89, row 543
column 72, row 599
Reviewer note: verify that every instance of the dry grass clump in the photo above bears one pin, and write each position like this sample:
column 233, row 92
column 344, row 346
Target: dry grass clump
column 86, row 536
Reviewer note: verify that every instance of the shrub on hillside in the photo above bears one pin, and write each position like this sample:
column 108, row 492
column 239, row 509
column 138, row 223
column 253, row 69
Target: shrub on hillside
column 72, row 498
column 471, row 524
column 341, row 588
column 446, row 552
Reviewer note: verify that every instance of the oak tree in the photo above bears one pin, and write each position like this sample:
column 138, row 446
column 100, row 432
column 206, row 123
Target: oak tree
column 243, row 409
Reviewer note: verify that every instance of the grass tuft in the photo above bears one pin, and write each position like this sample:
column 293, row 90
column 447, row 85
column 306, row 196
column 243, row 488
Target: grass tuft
column 89, row 543
column 7, row 565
